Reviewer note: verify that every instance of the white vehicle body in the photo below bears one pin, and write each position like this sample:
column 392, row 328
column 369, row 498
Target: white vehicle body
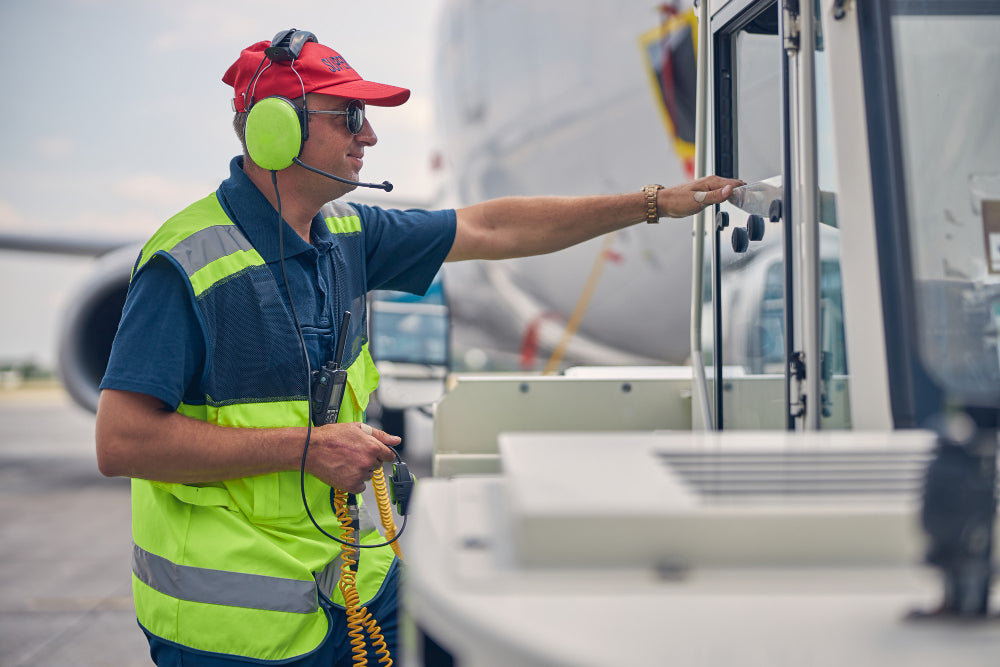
column 787, row 513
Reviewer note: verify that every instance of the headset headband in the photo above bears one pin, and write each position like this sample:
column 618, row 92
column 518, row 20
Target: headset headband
column 285, row 47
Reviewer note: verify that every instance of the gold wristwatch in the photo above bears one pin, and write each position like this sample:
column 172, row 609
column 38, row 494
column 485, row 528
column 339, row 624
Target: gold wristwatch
column 652, row 209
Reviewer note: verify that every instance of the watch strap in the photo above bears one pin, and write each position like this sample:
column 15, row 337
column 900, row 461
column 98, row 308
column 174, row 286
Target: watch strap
column 652, row 207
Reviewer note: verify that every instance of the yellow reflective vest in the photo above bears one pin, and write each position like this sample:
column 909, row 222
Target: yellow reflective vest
column 233, row 567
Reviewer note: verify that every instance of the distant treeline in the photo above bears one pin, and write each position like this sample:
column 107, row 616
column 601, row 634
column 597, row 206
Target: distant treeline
column 26, row 370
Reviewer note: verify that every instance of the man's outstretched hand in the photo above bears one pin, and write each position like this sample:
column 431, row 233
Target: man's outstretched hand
column 687, row 199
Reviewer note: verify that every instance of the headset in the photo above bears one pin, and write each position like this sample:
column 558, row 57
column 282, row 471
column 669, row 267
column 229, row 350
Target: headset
column 276, row 129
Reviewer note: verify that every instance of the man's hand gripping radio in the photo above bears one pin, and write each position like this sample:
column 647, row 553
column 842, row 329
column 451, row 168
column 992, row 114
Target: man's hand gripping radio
column 328, row 385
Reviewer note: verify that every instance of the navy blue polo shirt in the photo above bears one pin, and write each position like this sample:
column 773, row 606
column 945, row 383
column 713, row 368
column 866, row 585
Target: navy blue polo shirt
column 159, row 349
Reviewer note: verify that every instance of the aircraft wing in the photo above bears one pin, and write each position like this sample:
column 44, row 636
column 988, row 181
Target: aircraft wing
column 79, row 245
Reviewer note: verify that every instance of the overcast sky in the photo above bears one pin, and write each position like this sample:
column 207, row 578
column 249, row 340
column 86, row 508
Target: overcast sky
column 115, row 117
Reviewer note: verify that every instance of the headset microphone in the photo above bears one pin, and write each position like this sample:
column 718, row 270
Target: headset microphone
column 384, row 185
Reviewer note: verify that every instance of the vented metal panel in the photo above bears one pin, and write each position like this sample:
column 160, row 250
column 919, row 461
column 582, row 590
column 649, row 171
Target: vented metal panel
column 749, row 477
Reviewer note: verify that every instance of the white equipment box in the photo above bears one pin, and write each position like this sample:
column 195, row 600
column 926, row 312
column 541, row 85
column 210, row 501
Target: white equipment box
column 762, row 548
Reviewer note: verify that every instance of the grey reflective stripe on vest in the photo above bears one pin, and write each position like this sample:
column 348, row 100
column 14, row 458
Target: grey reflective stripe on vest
column 233, row 589
column 329, row 577
column 207, row 245
column 337, row 209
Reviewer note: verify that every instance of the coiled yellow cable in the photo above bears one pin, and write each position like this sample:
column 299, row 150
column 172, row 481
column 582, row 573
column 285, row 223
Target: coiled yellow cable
column 385, row 511
column 358, row 618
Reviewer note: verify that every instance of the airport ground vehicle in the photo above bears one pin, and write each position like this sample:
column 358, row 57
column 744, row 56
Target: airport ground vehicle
column 778, row 505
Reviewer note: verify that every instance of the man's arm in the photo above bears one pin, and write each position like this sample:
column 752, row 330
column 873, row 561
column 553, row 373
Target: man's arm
column 523, row 226
column 138, row 437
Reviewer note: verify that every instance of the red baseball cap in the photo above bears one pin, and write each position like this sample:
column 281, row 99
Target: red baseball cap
column 322, row 69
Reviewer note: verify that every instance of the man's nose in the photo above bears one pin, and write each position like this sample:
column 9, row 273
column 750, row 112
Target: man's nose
column 367, row 134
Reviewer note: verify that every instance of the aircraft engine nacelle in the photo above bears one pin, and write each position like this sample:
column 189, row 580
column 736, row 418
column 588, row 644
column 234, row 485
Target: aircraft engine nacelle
column 90, row 324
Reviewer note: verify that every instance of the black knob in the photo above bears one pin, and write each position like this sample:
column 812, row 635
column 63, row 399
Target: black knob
column 741, row 241
column 721, row 220
column 774, row 210
column 755, row 227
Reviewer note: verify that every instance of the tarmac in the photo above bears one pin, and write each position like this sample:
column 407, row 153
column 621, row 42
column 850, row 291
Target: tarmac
column 65, row 541
column 65, row 537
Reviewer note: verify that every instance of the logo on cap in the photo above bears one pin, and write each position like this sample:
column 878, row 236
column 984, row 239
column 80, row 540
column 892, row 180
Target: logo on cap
column 336, row 63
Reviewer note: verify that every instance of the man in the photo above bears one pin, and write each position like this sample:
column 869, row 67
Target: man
column 206, row 401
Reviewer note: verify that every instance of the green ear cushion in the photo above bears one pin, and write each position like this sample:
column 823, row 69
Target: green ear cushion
column 273, row 133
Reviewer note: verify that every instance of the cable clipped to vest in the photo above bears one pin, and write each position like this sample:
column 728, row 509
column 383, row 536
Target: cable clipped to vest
column 329, row 382
column 324, row 413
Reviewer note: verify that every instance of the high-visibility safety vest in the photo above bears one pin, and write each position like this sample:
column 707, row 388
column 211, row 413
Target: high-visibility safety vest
column 233, row 567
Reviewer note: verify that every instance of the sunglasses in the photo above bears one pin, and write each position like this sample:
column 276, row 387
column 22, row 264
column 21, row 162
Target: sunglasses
column 355, row 113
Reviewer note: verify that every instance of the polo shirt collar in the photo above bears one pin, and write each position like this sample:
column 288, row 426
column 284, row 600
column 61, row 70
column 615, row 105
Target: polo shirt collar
column 250, row 210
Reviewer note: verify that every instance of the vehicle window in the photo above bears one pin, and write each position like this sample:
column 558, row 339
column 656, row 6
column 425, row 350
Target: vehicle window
column 753, row 270
column 752, row 276
column 946, row 74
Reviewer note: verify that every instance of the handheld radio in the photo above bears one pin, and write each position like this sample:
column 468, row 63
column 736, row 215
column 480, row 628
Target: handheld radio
column 329, row 381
